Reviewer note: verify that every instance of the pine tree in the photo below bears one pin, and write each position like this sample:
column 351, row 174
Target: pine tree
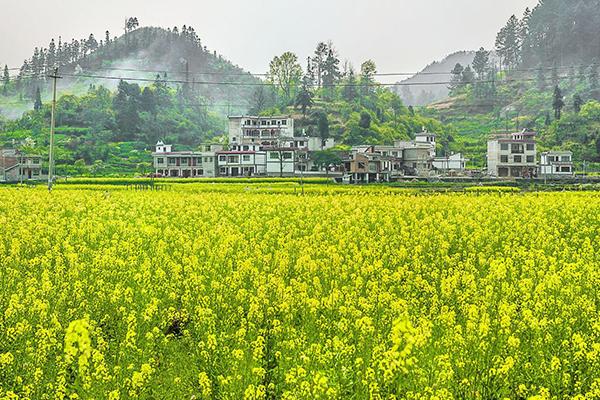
column 577, row 103
column 319, row 61
column 37, row 105
column 304, row 98
column 5, row 80
column 508, row 45
column 468, row 76
column 331, row 71
column 368, row 69
column 456, row 81
column 481, row 63
column 349, row 92
column 558, row 102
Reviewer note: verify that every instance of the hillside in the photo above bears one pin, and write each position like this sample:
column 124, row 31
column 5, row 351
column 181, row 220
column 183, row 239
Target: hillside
column 548, row 81
column 175, row 54
column 424, row 88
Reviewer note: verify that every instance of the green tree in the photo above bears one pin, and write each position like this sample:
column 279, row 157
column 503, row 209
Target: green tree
column 577, row 103
column 323, row 125
column 319, row 61
column 368, row 69
column 5, row 79
column 304, row 98
column 456, row 80
column 349, row 91
column 481, row 63
column 365, row 120
column 285, row 73
column 37, row 105
column 508, row 45
column 558, row 102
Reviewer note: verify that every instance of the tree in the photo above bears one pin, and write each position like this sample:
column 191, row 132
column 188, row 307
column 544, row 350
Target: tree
column 325, row 158
column 331, row 71
column 481, row 63
column 577, row 103
column 468, row 76
column 323, row 125
column 508, row 44
column 368, row 69
column 107, row 39
column 558, row 102
column 37, row 105
column 304, row 99
column 285, row 73
column 349, row 92
column 319, row 61
column 365, row 120
column 131, row 24
column 456, row 80
column 5, row 80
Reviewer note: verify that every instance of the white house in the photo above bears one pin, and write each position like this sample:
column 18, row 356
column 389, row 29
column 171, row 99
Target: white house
column 241, row 163
column 512, row 155
column 453, row 162
column 557, row 164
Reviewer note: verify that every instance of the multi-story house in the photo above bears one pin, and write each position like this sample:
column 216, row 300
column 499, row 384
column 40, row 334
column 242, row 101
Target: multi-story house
column 185, row 164
column 512, row 155
column 16, row 166
column 557, row 164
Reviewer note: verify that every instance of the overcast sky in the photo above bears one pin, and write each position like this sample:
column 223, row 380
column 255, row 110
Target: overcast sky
column 399, row 35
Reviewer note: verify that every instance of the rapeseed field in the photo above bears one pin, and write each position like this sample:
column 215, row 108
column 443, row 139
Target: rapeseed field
column 208, row 292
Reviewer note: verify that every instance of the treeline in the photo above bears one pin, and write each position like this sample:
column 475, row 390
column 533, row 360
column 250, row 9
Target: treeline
column 335, row 100
column 555, row 32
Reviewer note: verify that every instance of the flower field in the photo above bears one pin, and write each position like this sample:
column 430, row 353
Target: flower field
column 203, row 292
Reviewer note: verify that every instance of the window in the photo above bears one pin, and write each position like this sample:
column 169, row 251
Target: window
column 184, row 161
column 503, row 159
column 530, row 159
column 504, row 146
column 273, row 122
column 246, row 158
column 530, row 147
column 160, row 160
column 284, row 122
column 565, row 159
column 516, row 148
column 518, row 159
column 263, row 122
column 274, row 155
column 566, row 169
column 223, row 171
column 287, row 156
column 233, row 159
column 199, row 160
column 222, row 158
column 246, row 148
column 172, row 161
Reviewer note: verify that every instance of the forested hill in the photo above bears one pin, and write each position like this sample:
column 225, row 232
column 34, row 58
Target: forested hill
column 547, row 79
column 176, row 54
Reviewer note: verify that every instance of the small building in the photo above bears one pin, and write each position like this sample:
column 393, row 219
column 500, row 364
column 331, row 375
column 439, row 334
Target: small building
column 241, row 163
column 281, row 161
column 454, row 162
column 557, row 164
column 184, row 164
column 512, row 155
column 16, row 166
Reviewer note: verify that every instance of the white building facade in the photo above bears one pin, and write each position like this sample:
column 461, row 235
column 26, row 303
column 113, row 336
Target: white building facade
column 512, row 155
column 557, row 164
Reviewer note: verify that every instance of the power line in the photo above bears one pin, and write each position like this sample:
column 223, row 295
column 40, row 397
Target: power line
column 161, row 71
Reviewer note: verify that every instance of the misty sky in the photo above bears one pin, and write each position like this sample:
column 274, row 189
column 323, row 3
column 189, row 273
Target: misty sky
column 399, row 35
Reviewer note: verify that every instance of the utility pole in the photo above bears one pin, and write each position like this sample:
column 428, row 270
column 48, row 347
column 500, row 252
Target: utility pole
column 55, row 78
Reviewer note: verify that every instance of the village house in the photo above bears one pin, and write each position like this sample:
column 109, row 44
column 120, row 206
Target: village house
column 185, row 164
column 453, row 162
column 557, row 164
column 512, row 155
column 16, row 166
